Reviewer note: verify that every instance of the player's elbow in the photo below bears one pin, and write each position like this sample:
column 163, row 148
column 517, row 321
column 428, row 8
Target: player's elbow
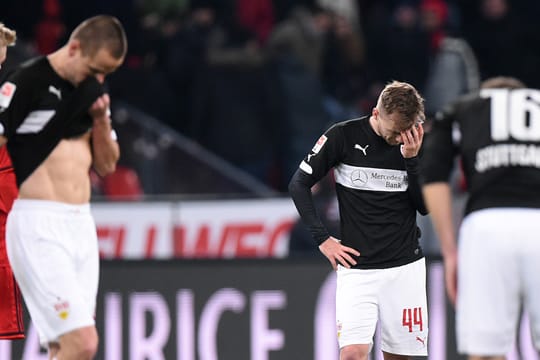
column 105, row 168
column 293, row 186
column 421, row 206
column 296, row 185
column 105, row 161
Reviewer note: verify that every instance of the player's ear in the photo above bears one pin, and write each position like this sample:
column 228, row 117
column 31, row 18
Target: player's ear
column 74, row 45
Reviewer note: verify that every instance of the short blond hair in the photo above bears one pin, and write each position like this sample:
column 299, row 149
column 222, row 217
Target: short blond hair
column 402, row 98
column 7, row 36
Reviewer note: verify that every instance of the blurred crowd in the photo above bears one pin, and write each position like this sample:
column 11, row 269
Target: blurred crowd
column 258, row 81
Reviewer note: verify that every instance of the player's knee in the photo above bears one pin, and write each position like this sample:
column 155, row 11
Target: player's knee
column 354, row 352
column 89, row 346
column 82, row 343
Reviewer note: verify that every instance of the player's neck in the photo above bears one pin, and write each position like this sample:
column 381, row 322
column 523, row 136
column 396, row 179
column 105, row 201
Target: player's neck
column 57, row 61
column 373, row 124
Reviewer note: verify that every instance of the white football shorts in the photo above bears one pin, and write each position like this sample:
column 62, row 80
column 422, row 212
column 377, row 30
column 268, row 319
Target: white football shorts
column 498, row 267
column 394, row 297
column 53, row 250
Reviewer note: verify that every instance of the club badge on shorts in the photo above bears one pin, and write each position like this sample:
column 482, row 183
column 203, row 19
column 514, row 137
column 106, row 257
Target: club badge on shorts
column 62, row 309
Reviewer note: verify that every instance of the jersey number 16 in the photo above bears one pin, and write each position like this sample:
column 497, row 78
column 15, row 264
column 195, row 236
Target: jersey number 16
column 514, row 113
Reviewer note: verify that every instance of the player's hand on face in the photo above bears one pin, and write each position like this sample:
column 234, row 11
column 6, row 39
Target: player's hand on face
column 412, row 141
column 100, row 109
column 337, row 253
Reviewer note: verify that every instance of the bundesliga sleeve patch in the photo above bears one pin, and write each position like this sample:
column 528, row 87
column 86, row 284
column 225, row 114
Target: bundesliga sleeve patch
column 320, row 143
column 6, row 93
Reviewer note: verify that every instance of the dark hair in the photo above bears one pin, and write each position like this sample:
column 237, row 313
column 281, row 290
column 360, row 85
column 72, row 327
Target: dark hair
column 102, row 31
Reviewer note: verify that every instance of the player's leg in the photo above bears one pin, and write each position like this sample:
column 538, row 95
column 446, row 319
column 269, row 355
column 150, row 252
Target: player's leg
column 403, row 312
column 38, row 236
column 356, row 311
column 54, row 347
column 79, row 344
column 530, row 247
column 489, row 285
column 354, row 352
column 388, row 356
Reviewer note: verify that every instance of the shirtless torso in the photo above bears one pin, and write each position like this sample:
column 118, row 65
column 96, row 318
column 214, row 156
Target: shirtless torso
column 63, row 176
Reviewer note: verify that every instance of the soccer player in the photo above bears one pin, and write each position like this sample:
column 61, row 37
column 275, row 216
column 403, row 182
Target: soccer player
column 494, row 270
column 11, row 316
column 381, row 273
column 56, row 119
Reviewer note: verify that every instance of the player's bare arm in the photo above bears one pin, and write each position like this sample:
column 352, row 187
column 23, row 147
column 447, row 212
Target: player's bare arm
column 105, row 149
column 337, row 253
column 438, row 198
column 3, row 140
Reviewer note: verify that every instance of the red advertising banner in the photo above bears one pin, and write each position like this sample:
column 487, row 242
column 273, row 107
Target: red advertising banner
column 202, row 229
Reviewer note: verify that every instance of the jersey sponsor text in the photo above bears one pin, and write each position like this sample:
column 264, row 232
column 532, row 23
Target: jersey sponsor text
column 372, row 179
column 505, row 155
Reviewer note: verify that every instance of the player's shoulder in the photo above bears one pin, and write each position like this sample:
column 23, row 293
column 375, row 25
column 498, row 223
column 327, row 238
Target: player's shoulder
column 30, row 72
column 351, row 123
column 470, row 106
column 33, row 69
column 359, row 121
column 24, row 81
column 470, row 99
column 462, row 104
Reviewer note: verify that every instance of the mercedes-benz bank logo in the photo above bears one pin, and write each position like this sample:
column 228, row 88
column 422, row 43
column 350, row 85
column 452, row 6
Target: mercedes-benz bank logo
column 359, row 178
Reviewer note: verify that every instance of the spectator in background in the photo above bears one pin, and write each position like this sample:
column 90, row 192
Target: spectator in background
column 160, row 8
column 233, row 112
column 433, row 19
column 302, row 36
column 257, row 16
column 453, row 70
column 344, row 68
column 348, row 10
column 296, row 47
column 185, row 61
column 50, row 29
column 11, row 306
column 401, row 49
column 493, row 271
column 144, row 81
column 502, row 39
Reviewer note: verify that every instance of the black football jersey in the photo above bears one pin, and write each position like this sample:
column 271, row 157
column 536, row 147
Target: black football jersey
column 38, row 108
column 497, row 134
column 377, row 189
